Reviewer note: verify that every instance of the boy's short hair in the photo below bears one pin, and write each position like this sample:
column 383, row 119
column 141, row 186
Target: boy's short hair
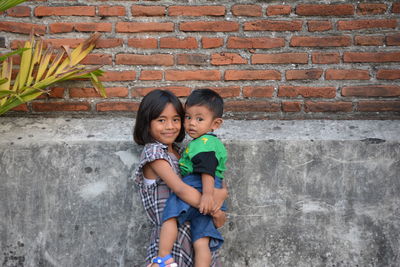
column 208, row 98
column 150, row 108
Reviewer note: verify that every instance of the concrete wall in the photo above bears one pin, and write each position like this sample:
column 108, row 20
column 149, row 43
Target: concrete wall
column 302, row 193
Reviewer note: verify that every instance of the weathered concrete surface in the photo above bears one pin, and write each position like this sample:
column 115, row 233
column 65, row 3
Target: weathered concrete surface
column 302, row 193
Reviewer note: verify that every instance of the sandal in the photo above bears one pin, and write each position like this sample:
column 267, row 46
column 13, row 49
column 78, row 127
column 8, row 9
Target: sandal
column 161, row 261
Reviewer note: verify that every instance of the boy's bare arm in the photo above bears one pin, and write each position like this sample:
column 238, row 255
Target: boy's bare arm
column 207, row 197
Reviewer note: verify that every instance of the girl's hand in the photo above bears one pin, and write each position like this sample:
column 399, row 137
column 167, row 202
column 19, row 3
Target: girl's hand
column 219, row 218
column 220, row 195
column 206, row 203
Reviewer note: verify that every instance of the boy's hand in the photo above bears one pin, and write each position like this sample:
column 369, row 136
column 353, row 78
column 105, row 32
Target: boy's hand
column 206, row 203
column 219, row 218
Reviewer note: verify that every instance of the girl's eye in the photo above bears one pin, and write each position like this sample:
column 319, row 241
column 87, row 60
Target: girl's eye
column 177, row 120
column 161, row 120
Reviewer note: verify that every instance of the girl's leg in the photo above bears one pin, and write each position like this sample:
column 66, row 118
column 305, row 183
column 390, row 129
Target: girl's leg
column 168, row 235
column 202, row 253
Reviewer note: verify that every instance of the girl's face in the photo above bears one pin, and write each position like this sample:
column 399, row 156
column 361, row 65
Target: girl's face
column 165, row 129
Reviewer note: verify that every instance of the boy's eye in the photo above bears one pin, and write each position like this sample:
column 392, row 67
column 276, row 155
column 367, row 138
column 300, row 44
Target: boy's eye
column 188, row 117
column 199, row 119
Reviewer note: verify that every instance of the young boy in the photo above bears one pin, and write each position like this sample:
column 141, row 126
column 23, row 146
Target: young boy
column 202, row 166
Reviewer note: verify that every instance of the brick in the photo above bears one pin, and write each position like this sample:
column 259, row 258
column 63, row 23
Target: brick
column 192, row 59
column 319, row 25
column 273, row 25
column 111, row 11
column 148, row 11
column 92, row 93
column 61, row 27
column 371, row 57
column 177, row 43
column 55, row 92
column 369, row 40
column 226, row 92
column 192, row 75
column 144, row 27
column 60, row 106
column 21, row 27
column 248, row 75
column 208, row 42
column 326, row 41
column 325, row 58
column 307, row 91
column 154, row 59
column 209, row 26
column 179, row 91
column 372, row 90
column 289, row 106
column 97, row 59
column 19, row 11
column 388, row 74
column 151, row 75
column 311, row 106
column 396, row 8
column 349, row 25
column 393, row 39
column 324, row 10
column 145, row 43
column 42, row 11
column 117, row 106
column 280, row 58
column 334, row 74
column 252, row 106
column 21, row 108
column 371, row 9
column 255, row 42
column 93, row 27
column 247, row 10
column 258, row 91
column 276, row 10
column 227, row 59
column 109, row 43
column 379, row 106
column 115, row 76
column 310, row 74
column 196, row 11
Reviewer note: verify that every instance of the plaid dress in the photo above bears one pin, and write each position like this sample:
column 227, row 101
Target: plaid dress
column 154, row 197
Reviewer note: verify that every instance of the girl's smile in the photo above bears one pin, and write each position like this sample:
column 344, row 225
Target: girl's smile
column 166, row 127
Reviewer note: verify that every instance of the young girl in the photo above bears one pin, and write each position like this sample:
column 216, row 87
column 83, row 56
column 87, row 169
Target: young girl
column 159, row 124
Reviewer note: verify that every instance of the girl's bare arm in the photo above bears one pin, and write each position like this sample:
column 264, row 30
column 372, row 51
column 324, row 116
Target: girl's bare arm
column 185, row 192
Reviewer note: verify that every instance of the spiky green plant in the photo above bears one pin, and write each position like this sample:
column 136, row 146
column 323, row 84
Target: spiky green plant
column 40, row 68
column 6, row 4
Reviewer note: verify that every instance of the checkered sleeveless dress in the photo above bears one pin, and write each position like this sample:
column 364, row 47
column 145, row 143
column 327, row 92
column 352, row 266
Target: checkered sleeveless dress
column 154, row 197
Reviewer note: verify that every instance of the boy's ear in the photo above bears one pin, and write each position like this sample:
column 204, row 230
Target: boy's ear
column 217, row 123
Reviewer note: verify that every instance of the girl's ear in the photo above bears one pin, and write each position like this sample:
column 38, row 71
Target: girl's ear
column 217, row 123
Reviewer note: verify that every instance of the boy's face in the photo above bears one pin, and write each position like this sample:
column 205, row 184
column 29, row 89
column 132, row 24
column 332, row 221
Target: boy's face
column 200, row 120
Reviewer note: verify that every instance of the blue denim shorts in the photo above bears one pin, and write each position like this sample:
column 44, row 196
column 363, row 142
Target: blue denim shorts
column 200, row 225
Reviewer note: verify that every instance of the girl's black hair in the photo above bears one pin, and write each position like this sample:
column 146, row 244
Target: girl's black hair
column 150, row 108
column 208, row 98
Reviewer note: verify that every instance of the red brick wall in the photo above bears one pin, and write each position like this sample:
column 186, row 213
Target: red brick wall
column 268, row 59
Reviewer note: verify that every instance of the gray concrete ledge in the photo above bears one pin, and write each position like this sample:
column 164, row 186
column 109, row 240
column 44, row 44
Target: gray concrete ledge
column 302, row 193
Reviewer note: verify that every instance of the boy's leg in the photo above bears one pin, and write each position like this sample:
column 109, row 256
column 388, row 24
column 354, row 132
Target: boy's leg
column 202, row 253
